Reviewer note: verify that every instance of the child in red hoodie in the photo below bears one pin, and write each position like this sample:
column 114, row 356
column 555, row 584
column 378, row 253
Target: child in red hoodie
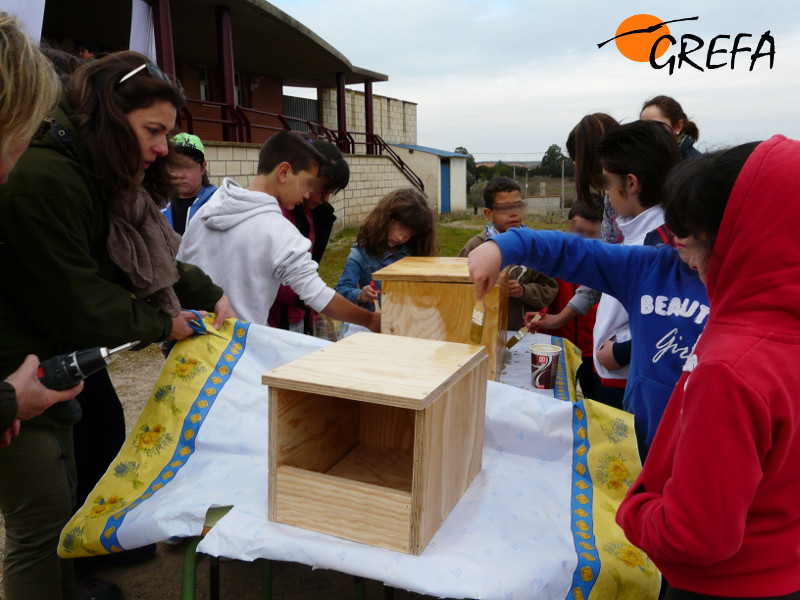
column 716, row 505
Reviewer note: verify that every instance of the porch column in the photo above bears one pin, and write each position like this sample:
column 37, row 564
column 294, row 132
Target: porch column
column 341, row 113
column 369, row 114
column 162, row 28
column 225, row 53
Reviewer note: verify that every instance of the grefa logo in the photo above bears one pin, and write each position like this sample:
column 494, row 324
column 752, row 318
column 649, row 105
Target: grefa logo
column 645, row 38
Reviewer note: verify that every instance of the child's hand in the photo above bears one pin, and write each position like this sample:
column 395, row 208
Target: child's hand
column 533, row 320
column 605, row 356
column 515, row 289
column 368, row 295
column 485, row 263
column 552, row 321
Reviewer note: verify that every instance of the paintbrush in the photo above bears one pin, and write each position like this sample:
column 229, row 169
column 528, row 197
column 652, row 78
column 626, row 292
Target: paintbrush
column 377, row 300
column 512, row 341
column 478, row 317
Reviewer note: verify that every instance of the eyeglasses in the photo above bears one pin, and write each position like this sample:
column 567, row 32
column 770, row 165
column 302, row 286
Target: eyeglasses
column 516, row 207
column 152, row 70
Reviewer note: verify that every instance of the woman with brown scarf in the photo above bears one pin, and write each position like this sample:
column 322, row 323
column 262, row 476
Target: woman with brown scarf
column 86, row 259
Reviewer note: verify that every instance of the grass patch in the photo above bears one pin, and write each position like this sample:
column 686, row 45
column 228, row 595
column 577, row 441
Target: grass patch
column 453, row 239
column 332, row 265
column 452, row 234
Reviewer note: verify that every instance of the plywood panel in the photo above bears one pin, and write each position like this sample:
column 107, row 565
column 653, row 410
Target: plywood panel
column 451, row 447
column 393, row 370
column 378, row 465
column 312, row 431
column 494, row 329
column 387, row 426
column 356, row 511
column 430, row 310
column 443, row 311
column 428, row 268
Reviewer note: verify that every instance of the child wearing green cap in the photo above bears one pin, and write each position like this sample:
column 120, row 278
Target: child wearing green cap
column 188, row 172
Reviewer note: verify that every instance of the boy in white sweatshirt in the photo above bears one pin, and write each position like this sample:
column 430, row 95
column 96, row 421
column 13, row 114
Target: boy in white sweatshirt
column 241, row 239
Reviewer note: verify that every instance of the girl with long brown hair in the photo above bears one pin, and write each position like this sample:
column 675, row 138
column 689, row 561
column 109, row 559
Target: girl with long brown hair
column 401, row 224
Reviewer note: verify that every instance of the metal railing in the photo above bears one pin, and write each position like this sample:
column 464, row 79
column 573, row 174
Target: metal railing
column 229, row 119
column 404, row 168
column 239, row 121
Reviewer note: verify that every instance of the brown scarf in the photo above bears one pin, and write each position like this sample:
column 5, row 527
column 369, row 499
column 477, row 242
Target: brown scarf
column 142, row 244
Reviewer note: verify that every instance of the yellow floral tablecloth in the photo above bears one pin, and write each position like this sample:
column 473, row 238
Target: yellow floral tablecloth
column 538, row 522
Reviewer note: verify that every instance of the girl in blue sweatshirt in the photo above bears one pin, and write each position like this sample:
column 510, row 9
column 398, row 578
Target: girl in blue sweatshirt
column 665, row 299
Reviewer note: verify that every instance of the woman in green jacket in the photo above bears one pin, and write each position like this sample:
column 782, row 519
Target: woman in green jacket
column 86, row 259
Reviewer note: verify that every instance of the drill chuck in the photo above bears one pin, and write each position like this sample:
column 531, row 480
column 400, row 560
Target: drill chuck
column 68, row 370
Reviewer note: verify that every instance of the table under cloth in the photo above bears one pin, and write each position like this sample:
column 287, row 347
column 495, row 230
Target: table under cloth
column 537, row 522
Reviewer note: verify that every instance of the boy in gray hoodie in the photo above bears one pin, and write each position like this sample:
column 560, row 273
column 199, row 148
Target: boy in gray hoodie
column 241, row 239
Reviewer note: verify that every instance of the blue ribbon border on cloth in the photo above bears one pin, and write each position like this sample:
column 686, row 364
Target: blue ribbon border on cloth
column 561, row 389
column 186, row 441
column 588, row 567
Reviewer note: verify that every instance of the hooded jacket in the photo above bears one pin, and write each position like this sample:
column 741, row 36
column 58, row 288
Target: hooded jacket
column 716, row 506
column 241, row 238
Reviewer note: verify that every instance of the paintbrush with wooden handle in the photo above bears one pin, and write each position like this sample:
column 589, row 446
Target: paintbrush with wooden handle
column 512, row 341
column 478, row 317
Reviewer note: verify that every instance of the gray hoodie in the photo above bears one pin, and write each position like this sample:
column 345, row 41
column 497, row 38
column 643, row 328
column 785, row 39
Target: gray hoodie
column 242, row 240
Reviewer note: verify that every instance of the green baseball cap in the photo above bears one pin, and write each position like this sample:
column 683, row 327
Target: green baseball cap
column 188, row 141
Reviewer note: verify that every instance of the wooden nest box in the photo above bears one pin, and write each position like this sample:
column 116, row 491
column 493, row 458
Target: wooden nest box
column 433, row 297
column 375, row 438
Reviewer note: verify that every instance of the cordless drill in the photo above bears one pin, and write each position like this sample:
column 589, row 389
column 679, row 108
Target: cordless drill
column 67, row 370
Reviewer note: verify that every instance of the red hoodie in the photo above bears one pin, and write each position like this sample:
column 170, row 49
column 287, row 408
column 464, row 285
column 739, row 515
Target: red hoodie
column 717, row 505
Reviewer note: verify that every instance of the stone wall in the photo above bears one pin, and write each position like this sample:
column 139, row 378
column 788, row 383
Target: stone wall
column 231, row 159
column 371, row 177
column 395, row 120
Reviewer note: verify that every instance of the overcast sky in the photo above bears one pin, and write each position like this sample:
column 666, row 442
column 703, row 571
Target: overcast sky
column 508, row 78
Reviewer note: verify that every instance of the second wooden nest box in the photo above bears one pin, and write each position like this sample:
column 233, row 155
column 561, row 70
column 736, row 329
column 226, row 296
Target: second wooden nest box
column 433, row 297
column 375, row 438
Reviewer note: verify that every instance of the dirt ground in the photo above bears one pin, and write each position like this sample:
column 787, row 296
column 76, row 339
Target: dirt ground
column 159, row 578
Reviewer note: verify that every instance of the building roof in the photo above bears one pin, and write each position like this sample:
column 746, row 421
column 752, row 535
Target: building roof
column 443, row 153
column 265, row 39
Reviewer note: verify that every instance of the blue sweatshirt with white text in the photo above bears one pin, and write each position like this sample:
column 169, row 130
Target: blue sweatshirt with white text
column 666, row 302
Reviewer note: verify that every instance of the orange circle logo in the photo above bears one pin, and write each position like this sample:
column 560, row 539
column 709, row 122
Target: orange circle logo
column 637, row 34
